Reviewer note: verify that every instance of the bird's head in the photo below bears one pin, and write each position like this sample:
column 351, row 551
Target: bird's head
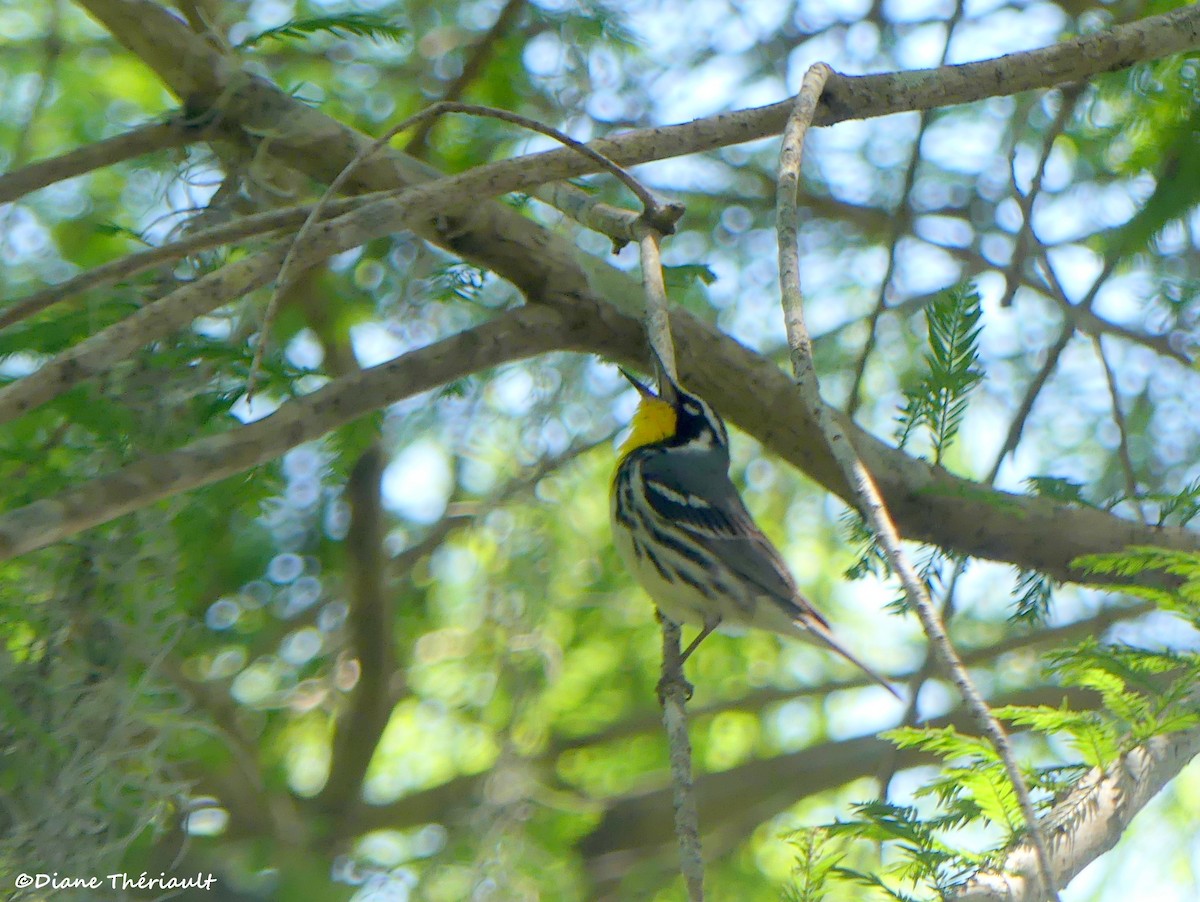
column 674, row 418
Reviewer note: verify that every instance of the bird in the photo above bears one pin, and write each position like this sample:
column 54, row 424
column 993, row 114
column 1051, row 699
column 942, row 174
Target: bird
column 684, row 532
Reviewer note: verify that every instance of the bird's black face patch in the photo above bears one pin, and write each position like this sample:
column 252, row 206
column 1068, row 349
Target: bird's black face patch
column 698, row 423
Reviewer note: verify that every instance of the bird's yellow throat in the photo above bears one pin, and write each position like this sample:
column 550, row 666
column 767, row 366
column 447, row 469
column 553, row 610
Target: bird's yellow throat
column 653, row 422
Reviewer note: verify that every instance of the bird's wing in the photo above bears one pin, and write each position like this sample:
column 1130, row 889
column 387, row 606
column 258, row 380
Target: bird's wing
column 707, row 507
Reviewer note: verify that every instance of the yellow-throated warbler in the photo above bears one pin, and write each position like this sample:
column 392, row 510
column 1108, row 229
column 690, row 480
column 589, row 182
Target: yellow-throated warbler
column 685, row 533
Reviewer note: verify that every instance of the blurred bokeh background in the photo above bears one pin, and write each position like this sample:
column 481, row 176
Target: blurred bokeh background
column 171, row 682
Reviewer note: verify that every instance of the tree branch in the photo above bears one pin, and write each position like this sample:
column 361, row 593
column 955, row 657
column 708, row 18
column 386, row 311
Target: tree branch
column 371, row 612
column 1089, row 820
column 140, row 141
column 928, row 503
column 511, row 336
column 481, row 52
column 673, row 688
column 733, row 802
column 867, row 499
column 132, row 264
column 756, row 700
column 310, row 141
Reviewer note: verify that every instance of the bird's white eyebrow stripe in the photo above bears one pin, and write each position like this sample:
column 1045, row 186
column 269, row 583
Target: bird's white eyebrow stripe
column 678, row 497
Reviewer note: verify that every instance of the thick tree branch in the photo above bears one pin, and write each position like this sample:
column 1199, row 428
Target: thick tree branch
column 734, row 801
column 138, row 142
column 639, row 824
column 511, row 336
column 371, row 613
column 928, row 503
column 194, row 70
column 1089, row 820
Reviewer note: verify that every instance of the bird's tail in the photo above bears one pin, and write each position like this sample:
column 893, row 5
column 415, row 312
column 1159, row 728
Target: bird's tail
column 816, row 625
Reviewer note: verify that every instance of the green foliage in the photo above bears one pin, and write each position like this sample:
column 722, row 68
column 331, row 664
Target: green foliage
column 685, row 274
column 1143, row 694
column 1178, row 590
column 870, row 559
column 1163, row 136
column 921, row 858
column 938, row 404
column 920, row 863
column 1091, row 733
column 972, row 782
column 1058, row 488
column 1179, row 508
column 361, row 25
column 939, row 401
column 1034, row 592
column 817, row 861
column 88, row 725
column 212, row 644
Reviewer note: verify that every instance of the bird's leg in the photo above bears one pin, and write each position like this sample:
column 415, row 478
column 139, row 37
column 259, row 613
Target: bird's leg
column 709, row 626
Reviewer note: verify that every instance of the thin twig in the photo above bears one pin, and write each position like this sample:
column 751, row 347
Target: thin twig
column 673, row 688
column 758, row 700
column 460, row 514
column 673, row 692
column 917, row 682
column 52, row 52
column 1070, row 95
column 52, row 48
column 481, row 51
column 619, row 224
column 900, row 220
column 1084, row 318
column 1021, row 417
column 513, row 335
column 1123, row 452
column 1070, row 325
column 1013, row 438
column 658, row 324
column 870, row 502
column 739, row 800
column 132, row 264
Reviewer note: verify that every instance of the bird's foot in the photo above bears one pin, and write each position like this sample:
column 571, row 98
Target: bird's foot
column 674, row 685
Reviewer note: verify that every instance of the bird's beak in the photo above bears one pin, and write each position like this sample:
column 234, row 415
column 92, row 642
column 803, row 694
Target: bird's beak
column 642, row 389
column 667, row 389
